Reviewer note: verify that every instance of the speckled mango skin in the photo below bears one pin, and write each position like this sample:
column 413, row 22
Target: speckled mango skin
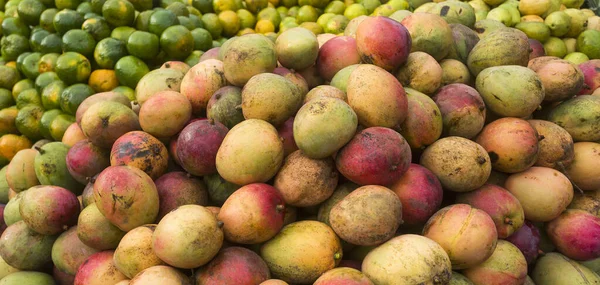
column 503, row 46
column 505, row 266
column 20, row 173
column 579, row 116
column 135, row 253
column 141, row 150
column 51, row 167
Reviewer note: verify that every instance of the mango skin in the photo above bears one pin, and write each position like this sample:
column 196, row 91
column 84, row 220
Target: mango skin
column 554, row 268
column 25, row 249
column 510, row 90
column 20, row 172
column 104, row 122
column 51, row 167
column 141, row 150
column 504, row 46
column 247, row 56
column 507, row 265
column 134, row 253
column 28, row 277
column 68, row 252
column 579, row 117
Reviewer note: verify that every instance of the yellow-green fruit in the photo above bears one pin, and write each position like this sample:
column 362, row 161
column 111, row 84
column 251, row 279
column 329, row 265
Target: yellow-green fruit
column 535, row 30
column 555, row 47
column 314, row 242
column 501, row 15
column 559, row 23
column 534, row 7
column 578, row 22
column 504, row 46
column 20, row 173
column 297, row 48
column 554, row 268
column 134, row 252
column 571, row 44
column 247, row 56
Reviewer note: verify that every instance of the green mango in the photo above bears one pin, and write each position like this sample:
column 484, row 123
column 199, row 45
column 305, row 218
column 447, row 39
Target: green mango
column 51, row 167
column 27, row 278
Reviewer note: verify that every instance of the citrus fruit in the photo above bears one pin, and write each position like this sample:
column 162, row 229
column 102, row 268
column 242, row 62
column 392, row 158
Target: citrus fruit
column 52, row 43
column 336, row 25
column 45, row 79
column 20, row 60
column 177, row 42
column 195, row 19
column 255, row 6
column 102, row 80
column 12, row 25
column 122, row 33
column 247, row 19
column 160, row 20
column 84, row 8
column 212, row 24
column 143, row 20
column 13, row 46
column 97, row 27
column 202, row 39
column 28, row 121
column 323, row 19
column 28, row 97
column 78, row 41
column 118, row 12
column 185, row 21
column 108, row 51
column 66, row 20
column 10, row 144
column 335, row 7
column 7, row 120
column 51, row 94
column 270, row 14
column 194, row 58
column 97, row 6
column 355, row 10
column 8, row 77
column 59, row 126
column 30, row 11
column 47, row 19
column 555, row 47
column 178, row 8
column 6, row 99
column 142, row 5
column 204, row 6
column 35, row 41
column 264, row 26
column 127, row 91
column 47, row 62
column 73, row 67
column 20, row 86
column 307, row 14
column 67, row 4
column 130, row 70
column 143, row 45
column 45, row 121
column 313, row 27
column 72, row 96
column 226, row 5
column 230, row 22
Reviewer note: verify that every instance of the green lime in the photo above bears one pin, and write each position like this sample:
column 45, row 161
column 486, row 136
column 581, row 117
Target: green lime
column 73, row 95
column 204, row 6
column 336, row 25
column 247, row 19
column 370, row 5
column 67, row 4
column 12, row 25
column 230, row 5
column 78, row 41
column 293, row 12
column 177, row 42
column 108, row 51
column 51, row 94
column 194, row 58
column 130, row 70
column 202, row 39
column 35, row 41
column 313, row 27
column 355, row 10
column 31, row 65
column 73, row 67
column 143, row 20
column 384, row 10
column 46, row 121
column 122, row 33
column 213, row 25
column 52, row 43
column 118, row 12
column 195, row 20
column 161, row 20
column 335, row 7
column 84, row 8
column 29, row 97
column 45, row 79
column 20, row 60
column 6, row 99
column 142, row 5
column 165, row 3
column 66, row 20
column 97, row 6
column 97, row 27
column 185, row 21
column 323, row 19
column 230, row 22
column 127, row 91
column 143, row 45
column 91, row 15
column 13, row 46
column 283, row 11
column 47, row 19
column 30, row 11
column 307, row 14
column 555, row 47
column 21, row 85
column 59, row 126
column 48, row 62
column 289, row 3
column 270, row 14
column 178, row 8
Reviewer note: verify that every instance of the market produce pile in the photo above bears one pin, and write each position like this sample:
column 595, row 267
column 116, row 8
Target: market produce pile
column 299, row 142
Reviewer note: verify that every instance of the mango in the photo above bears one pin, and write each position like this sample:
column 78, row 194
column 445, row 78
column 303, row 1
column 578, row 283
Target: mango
column 297, row 48
column 337, row 54
column 271, row 98
column 104, row 122
column 578, row 117
column 96, row 231
column 247, row 56
column 68, row 252
column 500, row 47
column 462, row 110
column 85, row 160
column 178, row 188
column 201, row 82
column 24, row 249
column 507, row 265
column 165, row 114
column 582, row 171
column 158, row 80
column 20, row 172
column 99, row 269
column 383, row 42
column 557, row 269
column 234, row 265
column 223, row 106
column 555, row 145
column 51, row 167
column 49, row 210
column 134, row 253
column 160, row 274
column 141, row 150
column 430, row 33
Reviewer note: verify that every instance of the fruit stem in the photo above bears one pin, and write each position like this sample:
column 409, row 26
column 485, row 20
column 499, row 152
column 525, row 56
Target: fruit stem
column 238, row 107
column 508, row 221
column 211, row 121
column 39, row 149
column 564, row 171
column 280, row 207
column 337, row 256
column 220, row 224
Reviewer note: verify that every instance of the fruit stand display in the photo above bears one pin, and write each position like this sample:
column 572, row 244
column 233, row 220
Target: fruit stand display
column 272, row 142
